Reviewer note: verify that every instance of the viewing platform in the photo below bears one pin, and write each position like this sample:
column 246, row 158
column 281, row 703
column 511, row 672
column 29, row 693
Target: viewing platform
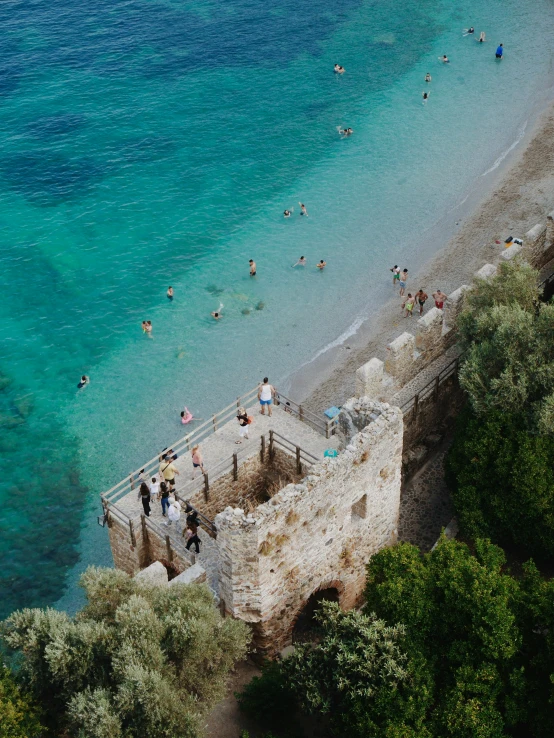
column 279, row 450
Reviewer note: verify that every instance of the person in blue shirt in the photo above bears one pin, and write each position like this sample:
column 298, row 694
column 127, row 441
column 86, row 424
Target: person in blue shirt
column 500, row 51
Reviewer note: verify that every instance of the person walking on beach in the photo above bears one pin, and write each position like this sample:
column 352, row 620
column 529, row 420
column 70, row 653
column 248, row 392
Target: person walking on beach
column 421, row 298
column 440, row 298
column 408, row 305
column 395, row 274
column 170, row 293
column 164, row 491
column 403, row 280
column 266, row 393
column 242, row 417
column 197, row 460
column 168, row 470
column 252, row 267
column 144, row 497
column 173, row 512
column 500, row 51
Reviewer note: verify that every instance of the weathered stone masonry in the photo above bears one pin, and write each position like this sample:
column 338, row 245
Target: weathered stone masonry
column 315, row 534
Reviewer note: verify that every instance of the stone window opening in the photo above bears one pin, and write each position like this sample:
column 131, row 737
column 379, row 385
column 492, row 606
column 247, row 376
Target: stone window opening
column 359, row 509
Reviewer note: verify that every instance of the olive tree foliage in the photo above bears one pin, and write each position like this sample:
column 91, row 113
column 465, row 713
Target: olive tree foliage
column 359, row 675
column 508, row 336
column 19, row 716
column 136, row 661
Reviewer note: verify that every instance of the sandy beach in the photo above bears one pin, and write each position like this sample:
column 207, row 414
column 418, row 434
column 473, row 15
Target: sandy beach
column 522, row 197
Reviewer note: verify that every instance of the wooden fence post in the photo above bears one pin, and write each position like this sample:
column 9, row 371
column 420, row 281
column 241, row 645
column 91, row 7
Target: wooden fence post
column 206, row 486
column 168, row 548
column 271, row 449
column 298, row 462
column 235, row 467
column 300, row 413
column 214, row 421
column 416, row 404
column 262, row 449
column 132, row 532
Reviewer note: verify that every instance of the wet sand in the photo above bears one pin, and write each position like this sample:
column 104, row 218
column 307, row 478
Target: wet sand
column 522, row 197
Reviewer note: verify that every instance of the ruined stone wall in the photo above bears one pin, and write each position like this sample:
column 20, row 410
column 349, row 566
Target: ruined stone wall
column 315, row 534
column 128, row 556
column 149, row 546
column 252, row 476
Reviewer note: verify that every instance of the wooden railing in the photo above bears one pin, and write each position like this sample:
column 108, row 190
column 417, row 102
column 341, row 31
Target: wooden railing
column 431, row 388
column 171, row 546
column 208, row 427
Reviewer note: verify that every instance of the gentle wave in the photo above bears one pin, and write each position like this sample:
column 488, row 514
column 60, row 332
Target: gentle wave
column 502, row 156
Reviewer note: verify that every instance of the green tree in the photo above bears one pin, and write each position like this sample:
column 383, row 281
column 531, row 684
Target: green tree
column 359, row 675
column 136, row 661
column 458, row 611
column 18, row 714
column 508, row 337
column 502, row 481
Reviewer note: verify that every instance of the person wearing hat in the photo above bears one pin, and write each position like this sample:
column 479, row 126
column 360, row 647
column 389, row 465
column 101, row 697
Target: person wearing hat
column 173, row 511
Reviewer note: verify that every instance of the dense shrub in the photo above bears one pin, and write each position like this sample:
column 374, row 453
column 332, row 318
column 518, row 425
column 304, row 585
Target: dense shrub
column 137, row 661
column 502, row 482
column 508, row 337
column 269, row 698
column 18, row 713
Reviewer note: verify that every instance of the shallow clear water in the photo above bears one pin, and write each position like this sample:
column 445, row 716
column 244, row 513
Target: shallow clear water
column 148, row 143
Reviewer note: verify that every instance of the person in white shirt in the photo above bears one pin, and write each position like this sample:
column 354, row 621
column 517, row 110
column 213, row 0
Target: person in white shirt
column 154, row 489
column 173, row 511
column 266, row 393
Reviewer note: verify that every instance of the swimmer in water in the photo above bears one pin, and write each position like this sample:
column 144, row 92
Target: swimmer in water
column 469, row 31
column 303, row 210
column 425, row 96
column 170, row 293
column 186, row 416
column 482, row 37
column 84, row 381
column 444, row 59
column 147, row 328
column 216, row 315
column 322, row 264
column 500, row 51
column 301, row 262
column 288, row 213
column 428, row 77
column 339, row 69
column 252, row 267
column 345, row 131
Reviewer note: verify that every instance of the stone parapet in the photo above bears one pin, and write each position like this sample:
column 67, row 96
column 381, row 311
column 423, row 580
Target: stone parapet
column 400, row 357
column 429, row 334
column 369, row 378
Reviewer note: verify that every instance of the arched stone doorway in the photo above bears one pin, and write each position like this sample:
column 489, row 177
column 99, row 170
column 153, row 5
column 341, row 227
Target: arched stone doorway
column 305, row 627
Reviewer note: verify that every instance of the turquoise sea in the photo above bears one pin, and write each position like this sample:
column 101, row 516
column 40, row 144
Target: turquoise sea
column 154, row 142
